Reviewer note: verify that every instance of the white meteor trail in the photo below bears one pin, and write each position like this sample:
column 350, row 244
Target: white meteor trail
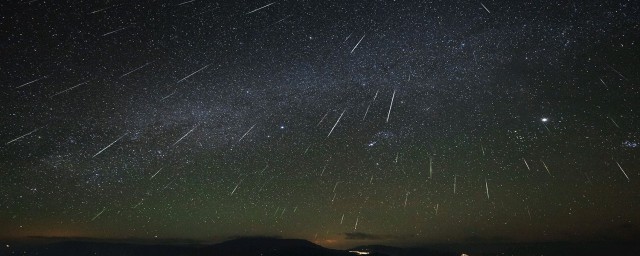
column 406, row 197
column 345, row 40
column 342, row 219
column 430, row 167
column 614, row 122
column 185, row 78
column 234, row 189
column 605, row 84
column 354, row 48
column 375, row 96
column 171, row 94
column 264, row 169
column 245, row 134
column 185, row 135
column 115, row 31
column 545, row 166
column 101, row 10
column 486, row 184
column 260, row 8
column 28, row 83
column 356, row 226
column 190, row 1
column 104, row 9
column 372, row 101
column 365, row 112
column 168, row 184
column 135, row 69
column 455, row 179
column 264, row 184
column 485, row 7
column 281, row 20
column 68, row 89
column 617, row 72
column 22, row 136
column 623, row 172
column 525, row 162
column 391, row 105
column 323, row 117
column 336, row 124
column 139, row 203
column 108, row 146
column 98, row 215
column 156, row 173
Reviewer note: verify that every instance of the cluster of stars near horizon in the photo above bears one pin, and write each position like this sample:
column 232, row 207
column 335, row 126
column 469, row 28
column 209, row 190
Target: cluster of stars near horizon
column 401, row 121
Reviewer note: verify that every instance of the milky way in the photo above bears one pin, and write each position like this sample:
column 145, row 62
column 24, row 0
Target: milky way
column 341, row 122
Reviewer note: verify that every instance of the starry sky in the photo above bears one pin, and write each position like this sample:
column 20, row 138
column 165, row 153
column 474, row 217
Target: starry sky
column 340, row 122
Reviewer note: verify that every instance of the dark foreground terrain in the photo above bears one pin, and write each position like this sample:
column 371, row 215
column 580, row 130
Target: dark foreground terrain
column 236, row 247
column 282, row 247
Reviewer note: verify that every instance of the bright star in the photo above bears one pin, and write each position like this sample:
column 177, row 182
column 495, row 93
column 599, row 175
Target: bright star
column 544, row 119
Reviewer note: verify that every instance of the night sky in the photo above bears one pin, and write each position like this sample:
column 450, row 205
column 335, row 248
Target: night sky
column 339, row 122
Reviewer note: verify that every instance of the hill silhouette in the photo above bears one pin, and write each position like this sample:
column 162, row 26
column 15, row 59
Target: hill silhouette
column 246, row 246
column 250, row 246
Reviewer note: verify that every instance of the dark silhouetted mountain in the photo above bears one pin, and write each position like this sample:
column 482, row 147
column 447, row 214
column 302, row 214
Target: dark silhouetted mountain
column 236, row 247
column 269, row 247
column 82, row 248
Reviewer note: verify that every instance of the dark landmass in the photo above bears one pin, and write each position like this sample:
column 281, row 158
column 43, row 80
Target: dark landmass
column 269, row 246
column 626, row 248
column 237, row 247
column 557, row 248
column 108, row 248
column 265, row 246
